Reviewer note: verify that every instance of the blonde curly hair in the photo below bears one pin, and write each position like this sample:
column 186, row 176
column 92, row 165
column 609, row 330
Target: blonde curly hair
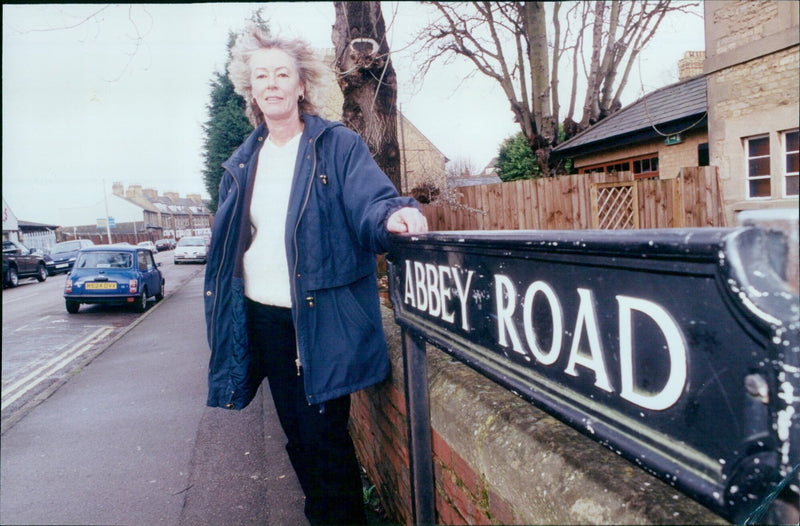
column 309, row 68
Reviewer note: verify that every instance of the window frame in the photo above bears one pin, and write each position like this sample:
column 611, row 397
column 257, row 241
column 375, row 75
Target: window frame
column 785, row 174
column 604, row 167
column 748, row 158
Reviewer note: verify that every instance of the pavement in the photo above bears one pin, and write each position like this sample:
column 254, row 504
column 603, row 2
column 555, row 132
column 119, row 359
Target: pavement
column 128, row 439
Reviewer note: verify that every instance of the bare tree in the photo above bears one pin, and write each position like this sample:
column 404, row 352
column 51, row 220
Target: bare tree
column 460, row 167
column 509, row 42
column 368, row 81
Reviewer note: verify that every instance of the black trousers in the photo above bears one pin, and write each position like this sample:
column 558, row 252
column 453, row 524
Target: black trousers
column 319, row 444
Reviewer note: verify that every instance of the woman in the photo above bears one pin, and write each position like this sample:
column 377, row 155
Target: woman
column 290, row 286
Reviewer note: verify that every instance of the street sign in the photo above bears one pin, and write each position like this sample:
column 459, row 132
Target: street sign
column 673, row 139
column 678, row 348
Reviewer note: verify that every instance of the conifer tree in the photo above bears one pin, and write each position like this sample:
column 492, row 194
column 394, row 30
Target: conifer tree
column 227, row 127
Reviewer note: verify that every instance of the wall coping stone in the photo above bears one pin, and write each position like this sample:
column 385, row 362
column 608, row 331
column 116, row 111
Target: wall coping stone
column 548, row 472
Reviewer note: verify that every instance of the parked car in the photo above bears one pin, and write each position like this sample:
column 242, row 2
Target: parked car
column 190, row 249
column 48, row 261
column 165, row 244
column 63, row 254
column 113, row 274
column 21, row 262
column 149, row 245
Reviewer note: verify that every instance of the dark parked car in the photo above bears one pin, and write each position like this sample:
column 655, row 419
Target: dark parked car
column 165, row 244
column 113, row 274
column 21, row 262
column 63, row 254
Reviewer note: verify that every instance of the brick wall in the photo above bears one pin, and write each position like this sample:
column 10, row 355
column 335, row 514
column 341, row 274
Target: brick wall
column 500, row 460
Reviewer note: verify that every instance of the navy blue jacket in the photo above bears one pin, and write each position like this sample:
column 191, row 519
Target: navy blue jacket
column 336, row 223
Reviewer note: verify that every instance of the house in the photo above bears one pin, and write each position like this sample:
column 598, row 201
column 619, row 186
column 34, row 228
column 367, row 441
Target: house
column 139, row 214
column 176, row 216
column 655, row 136
column 751, row 67
column 37, row 235
column 10, row 224
column 420, row 161
column 739, row 116
column 32, row 235
column 487, row 176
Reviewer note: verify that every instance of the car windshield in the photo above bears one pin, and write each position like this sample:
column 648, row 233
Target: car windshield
column 105, row 260
column 69, row 246
column 191, row 242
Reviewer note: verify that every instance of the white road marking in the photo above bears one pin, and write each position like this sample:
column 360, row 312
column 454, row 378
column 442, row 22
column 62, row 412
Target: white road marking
column 14, row 391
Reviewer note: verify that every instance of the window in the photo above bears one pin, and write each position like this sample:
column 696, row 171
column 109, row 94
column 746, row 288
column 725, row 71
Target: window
column 790, row 153
column 702, row 154
column 143, row 262
column 645, row 167
column 758, row 169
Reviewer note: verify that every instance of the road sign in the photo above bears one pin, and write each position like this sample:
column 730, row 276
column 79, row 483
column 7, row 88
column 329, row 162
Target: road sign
column 679, row 348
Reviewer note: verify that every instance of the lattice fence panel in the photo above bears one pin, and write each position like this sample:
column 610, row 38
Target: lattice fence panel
column 615, row 206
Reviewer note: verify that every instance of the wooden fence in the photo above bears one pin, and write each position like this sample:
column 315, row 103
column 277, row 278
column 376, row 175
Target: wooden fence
column 579, row 202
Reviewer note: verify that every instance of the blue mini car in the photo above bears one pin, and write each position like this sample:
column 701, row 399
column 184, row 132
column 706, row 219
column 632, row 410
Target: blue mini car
column 113, row 274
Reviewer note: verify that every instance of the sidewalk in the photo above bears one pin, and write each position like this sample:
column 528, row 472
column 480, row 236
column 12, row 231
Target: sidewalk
column 128, row 440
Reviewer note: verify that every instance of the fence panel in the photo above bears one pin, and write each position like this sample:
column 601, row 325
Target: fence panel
column 569, row 202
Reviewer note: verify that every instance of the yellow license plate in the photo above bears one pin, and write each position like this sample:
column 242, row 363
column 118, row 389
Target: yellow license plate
column 101, row 286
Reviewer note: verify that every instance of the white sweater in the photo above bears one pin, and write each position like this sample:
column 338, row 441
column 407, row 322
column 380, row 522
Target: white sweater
column 266, row 274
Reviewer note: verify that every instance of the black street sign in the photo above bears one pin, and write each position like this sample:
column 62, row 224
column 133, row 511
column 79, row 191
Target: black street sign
column 679, row 349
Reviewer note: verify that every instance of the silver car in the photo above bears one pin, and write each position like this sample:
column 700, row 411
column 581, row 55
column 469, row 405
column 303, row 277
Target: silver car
column 191, row 249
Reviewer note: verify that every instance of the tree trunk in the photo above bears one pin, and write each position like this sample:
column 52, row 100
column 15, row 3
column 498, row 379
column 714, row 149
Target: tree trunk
column 368, row 81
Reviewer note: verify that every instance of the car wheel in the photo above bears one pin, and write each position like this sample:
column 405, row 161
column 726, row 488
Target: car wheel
column 42, row 273
column 12, row 278
column 141, row 303
column 73, row 306
column 160, row 293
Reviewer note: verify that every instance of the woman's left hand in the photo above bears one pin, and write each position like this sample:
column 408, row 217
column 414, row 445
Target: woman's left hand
column 407, row 220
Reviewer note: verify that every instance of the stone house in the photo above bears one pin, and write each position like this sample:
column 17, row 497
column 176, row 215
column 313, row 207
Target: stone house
column 752, row 71
column 740, row 115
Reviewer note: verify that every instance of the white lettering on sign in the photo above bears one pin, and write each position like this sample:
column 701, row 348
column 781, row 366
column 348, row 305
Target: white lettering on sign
column 676, row 349
column 587, row 328
column 430, row 288
column 594, row 360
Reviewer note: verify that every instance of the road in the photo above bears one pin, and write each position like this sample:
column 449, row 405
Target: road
column 127, row 440
column 43, row 344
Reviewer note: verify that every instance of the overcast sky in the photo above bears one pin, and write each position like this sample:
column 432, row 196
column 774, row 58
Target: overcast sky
column 119, row 93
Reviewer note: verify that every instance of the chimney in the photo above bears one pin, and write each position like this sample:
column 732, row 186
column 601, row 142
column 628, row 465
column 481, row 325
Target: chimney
column 117, row 188
column 195, row 197
column 172, row 196
column 150, row 193
column 691, row 64
column 134, row 190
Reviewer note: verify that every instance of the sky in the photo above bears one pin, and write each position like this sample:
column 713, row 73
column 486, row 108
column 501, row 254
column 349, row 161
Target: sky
column 94, row 94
